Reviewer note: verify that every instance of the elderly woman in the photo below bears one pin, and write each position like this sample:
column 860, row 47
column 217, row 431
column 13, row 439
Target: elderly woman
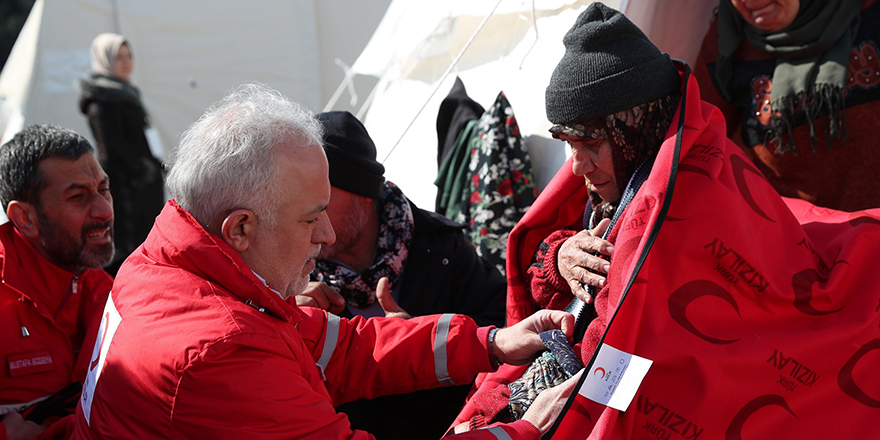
column 710, row 274
column 797, row 82
column 614, row 137
column 612, row 101
column 612, row 150
column 117, row 120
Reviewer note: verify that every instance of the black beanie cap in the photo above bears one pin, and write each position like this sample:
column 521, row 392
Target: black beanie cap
column 609, row 65
column 351, row 154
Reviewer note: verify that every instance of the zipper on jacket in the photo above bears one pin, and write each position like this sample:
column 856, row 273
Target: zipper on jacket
column 73, row 290
column 250, row 302
column 24, row 331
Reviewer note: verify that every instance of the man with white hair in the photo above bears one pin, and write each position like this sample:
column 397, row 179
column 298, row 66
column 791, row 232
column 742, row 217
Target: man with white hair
column 197, row 339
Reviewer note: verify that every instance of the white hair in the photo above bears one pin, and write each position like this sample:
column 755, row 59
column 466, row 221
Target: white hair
column 226, row 159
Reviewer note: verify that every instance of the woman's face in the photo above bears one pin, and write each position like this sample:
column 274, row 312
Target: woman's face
column 768, row 15
column 124, row 64
column 591, row 159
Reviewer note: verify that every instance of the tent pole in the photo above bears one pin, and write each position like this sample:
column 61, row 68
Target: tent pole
column 443, row 78
column 535, row 27
column 116, row 16
column 346, row 82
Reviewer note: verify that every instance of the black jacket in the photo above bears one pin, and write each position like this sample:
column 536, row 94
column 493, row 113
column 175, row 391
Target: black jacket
column 442, row 274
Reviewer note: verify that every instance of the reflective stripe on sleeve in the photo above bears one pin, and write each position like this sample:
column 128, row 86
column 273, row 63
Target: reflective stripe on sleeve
column 331, row 338
column 441, row 367
column 499, row 433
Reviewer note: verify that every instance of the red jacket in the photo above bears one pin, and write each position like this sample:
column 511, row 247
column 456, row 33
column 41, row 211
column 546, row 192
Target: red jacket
column 46, row 315
column 194, row 345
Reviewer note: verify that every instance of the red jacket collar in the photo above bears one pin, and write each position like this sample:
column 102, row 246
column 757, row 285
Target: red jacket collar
column 23, row 269
column 178, row 239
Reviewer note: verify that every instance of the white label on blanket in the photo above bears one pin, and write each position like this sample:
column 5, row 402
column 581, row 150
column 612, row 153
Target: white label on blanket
column 615, row 377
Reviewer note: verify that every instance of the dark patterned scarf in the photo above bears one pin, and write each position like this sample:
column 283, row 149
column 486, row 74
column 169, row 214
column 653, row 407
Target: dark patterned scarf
column 635, row 134
column 395, row 238
column 812, row 58
column 553, row 367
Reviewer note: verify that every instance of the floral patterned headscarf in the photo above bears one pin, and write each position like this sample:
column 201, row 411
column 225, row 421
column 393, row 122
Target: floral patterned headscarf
column 635, row 134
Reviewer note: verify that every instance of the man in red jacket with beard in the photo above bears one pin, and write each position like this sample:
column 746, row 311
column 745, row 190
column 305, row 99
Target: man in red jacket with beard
column 57, row 199
column 197, row 340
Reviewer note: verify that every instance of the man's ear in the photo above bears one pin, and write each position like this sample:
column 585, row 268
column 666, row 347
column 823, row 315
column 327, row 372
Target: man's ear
column 24, row 216
column 238, row 229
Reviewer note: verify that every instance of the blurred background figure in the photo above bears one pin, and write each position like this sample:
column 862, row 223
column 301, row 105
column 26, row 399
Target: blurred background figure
column 797, row 83
column 118, row 121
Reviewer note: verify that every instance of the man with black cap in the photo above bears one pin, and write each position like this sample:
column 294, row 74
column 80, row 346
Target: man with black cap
column 430, row 266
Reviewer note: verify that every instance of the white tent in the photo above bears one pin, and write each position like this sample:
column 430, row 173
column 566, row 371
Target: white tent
column 187, row 54
column 493, row 46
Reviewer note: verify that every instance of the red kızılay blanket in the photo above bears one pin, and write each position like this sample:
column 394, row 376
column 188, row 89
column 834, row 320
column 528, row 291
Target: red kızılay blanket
column 760, row 315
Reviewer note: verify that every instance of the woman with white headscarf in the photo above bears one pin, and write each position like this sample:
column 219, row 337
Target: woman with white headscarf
column 118, row 119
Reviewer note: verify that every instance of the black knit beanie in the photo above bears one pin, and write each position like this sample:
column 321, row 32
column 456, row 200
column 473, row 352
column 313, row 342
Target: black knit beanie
column 609, row 65
column 351, row 154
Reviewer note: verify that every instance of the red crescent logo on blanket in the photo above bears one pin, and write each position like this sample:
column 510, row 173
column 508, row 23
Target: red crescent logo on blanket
column 599, row 369
column 739, row 166
column 734, row 430
column 848, row 384
column 694, row 169
column 686, row 294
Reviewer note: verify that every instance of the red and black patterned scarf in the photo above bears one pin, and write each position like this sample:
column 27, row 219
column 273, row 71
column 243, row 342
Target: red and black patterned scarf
column 635, row 134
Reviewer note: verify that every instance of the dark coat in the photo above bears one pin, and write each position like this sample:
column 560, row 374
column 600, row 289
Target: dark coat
column 443, row 274
column 117, row 121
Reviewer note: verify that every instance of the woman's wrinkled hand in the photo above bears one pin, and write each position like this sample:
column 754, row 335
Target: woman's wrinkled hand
column 579, row 266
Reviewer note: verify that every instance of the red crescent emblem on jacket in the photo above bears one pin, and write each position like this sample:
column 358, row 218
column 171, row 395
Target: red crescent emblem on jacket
column 739, row 166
